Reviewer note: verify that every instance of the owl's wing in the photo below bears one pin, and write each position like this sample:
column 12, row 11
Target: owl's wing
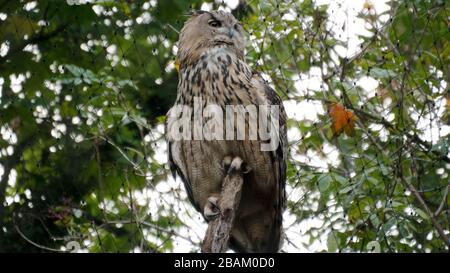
column 279, row 156
column 175, row 151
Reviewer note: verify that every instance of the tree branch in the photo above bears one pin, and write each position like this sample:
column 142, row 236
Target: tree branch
column 16, row 227
column 218, row 232
column 426, row 147
column 39, row 37
column 443, row 202
column 424, row 205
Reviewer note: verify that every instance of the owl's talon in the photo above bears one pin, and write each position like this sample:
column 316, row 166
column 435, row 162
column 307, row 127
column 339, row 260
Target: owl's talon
column 238, row 166
column 235, row 165
column 232, row 164
column 211, row 209
column 226, row 163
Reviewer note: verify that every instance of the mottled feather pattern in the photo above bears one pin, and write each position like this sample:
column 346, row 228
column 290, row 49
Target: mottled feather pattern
column 219, row 75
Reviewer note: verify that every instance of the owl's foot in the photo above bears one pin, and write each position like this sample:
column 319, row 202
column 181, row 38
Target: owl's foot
column 226, row 163
column 234, row 164
column 211, row 209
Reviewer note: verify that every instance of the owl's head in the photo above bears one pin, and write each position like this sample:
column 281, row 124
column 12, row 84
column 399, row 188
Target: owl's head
column 205, row 30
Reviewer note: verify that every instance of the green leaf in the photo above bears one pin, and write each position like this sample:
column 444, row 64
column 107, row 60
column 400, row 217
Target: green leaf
column 373, row 180
column 374, row 219
column 342, row 180
column 442, row 146
column 422, row 214
column 374, row 247
column 324, row 182
column 332, row 242
column 381, row 73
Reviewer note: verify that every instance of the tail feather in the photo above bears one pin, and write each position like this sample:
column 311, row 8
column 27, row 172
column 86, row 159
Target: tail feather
column 250, row 240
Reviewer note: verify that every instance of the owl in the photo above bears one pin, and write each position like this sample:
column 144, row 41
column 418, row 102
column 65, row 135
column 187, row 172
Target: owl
column 211, row 51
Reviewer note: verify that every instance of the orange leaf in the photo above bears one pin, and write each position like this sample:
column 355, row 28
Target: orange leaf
column 342, row 120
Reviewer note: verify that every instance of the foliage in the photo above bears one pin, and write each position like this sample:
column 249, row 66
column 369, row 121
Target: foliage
column 342, row 120
column 85, row 85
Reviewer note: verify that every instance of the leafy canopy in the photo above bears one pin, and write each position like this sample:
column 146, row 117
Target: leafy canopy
column 85, row 86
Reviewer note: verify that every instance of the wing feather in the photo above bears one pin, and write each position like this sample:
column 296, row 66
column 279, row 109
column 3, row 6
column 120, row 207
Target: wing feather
column 176, row 154
column 279, row 156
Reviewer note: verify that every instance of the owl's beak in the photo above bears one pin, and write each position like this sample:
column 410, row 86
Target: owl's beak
column 230, row 33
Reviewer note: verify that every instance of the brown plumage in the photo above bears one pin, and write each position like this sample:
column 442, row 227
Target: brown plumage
column 212, row 66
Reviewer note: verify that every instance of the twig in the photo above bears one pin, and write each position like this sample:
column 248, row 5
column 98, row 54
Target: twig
column 443, row 202
column 154, row 226
column 347, row 61
column 135, row 165
column 32, row 242
column 218, row 232
column 419, row 198
column 370, row 137
column 173, row 28
column 33, row 40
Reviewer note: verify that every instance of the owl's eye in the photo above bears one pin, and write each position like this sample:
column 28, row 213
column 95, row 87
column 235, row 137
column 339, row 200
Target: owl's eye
column 214, row 23
column 237, row 26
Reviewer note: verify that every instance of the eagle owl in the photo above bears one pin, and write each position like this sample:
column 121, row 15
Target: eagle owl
column 212, row 68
